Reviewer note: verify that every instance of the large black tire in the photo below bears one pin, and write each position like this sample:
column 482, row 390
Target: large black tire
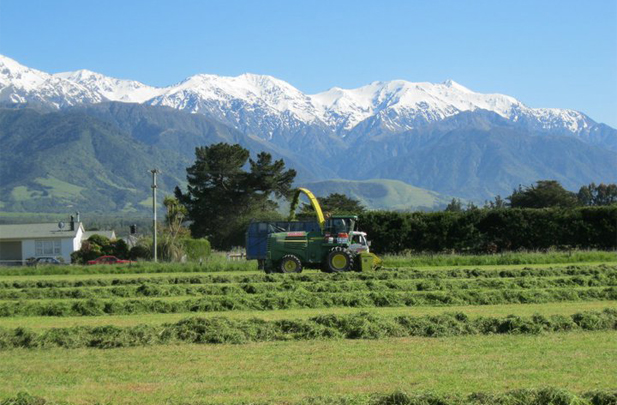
column 290, row 264
column 324, row 267
column 339, row 259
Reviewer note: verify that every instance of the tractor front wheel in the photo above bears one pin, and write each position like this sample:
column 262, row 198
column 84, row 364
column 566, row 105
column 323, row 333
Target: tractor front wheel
column 339, row 259
column 290, row 264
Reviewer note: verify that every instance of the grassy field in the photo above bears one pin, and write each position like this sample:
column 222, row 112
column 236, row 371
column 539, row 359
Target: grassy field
column 517, row 326
column 290, row 371
column 218, row 263
column 510, row 258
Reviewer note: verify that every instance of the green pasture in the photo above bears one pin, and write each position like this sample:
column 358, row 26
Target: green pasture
column 509, row 258
column 290, row 371
column 535, row 287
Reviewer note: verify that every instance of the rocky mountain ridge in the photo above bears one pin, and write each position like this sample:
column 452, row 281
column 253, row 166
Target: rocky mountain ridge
column 268, row 107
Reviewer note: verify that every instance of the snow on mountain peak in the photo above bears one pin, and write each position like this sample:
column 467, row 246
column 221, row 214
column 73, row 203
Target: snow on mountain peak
column 454, row 85
column 249, row 90
column 271, row 104
column 112, row 89
column 423, row 101
column 34, row 86
column 14, row 74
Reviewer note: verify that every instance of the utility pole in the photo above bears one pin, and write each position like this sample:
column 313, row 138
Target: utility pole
column 154, row 173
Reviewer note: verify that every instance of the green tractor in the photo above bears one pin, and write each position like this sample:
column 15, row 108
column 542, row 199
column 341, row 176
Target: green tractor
column 331, row 247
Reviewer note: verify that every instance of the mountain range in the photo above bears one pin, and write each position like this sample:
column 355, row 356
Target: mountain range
column 441, row 137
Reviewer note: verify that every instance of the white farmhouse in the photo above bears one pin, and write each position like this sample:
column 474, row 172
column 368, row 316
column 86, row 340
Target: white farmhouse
column 22, row 241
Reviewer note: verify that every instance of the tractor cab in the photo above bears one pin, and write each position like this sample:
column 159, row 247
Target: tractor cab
column 339, row 228
column 341, row 223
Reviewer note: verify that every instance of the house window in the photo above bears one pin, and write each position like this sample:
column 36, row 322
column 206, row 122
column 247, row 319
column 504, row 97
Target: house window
column 47, row 247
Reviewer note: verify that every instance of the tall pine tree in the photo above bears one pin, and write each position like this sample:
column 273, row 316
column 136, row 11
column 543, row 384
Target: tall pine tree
column 222, row 197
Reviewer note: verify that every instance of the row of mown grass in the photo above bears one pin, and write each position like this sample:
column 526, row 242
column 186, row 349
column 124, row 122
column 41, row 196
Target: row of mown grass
column 354, row 326
column 157, row 290
column 300, row 299
column 398, row 274
column 544, row 396
column 474, row 311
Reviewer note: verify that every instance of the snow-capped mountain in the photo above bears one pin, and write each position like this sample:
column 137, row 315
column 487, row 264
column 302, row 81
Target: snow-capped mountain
column 127, row 91
column 403, row 105
column 269, row 108
column 443, row 137
column 257, row 104
column 21, row 85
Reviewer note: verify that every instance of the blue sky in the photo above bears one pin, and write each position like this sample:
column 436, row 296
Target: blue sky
column 545, row 53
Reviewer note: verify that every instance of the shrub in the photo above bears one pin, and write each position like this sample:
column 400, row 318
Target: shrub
column 196, row 249
column 140, row 252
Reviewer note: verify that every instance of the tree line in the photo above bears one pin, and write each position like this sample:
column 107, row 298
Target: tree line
column 227, row 189
column 548, row 193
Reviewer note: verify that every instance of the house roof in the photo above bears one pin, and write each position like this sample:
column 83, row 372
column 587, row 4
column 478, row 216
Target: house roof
column 31, row 231
column 107, row 234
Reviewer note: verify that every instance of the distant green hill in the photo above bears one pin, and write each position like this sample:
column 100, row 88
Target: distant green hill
column 66, row 162
column 97, row 159
column 382, row 194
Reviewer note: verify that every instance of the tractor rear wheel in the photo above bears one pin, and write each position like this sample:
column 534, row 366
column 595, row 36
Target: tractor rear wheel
column 290, row 264
column 339, row 259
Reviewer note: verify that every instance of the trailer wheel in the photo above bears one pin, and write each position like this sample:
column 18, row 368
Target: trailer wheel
column 339, row 259
column 290, row 264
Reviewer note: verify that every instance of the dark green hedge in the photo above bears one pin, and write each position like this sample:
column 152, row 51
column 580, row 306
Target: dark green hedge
column 490, row 231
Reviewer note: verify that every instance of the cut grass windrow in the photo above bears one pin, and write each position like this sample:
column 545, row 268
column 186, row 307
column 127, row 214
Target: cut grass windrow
column 474, row 311
column 542, row 396
column 391, row 274
column 176, row 290
column 301, row 299
column 356, row 326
